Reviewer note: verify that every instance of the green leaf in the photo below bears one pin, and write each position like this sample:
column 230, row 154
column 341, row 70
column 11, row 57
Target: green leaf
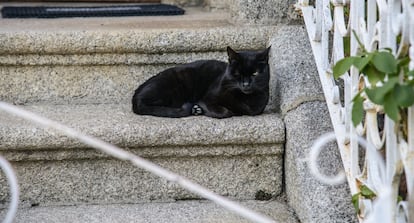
column 377, row 94
column 404, row 95
column 342, row 66
column 391, row 106
column 385, row 62
column 403, row 61
column 355, row 201
column 357, row 109
column 403, row 69
column 374, row 76
column 374, row 96
column 411, row 73
column 367, row 193
column 361, row 62
column 389, row 50
column 399, row 199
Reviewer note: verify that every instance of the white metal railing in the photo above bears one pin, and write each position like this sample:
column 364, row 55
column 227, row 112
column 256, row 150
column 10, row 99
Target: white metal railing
column 379, row 24
column 14, row 190
column 122, row 155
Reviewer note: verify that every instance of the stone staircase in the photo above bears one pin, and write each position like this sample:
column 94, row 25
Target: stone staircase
column 82, row 72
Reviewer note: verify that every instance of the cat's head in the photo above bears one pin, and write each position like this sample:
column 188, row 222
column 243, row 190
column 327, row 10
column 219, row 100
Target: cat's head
column 249, row 70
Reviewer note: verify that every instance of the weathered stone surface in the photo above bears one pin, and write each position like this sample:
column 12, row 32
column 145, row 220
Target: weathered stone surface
column 103, row 181
column 174, row 212
column 72, row 84
column 116, row 123
column 108, row 59
column 266, row 12
column 100, row 62
column 217, row 5
column 312, row 200
column 237, row 157
column 294, row 75
column 84, row 74
column 120, row 40
column 66, row 61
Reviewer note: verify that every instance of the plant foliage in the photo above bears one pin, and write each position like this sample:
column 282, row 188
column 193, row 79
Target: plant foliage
column 391, row 82
column 366, row 193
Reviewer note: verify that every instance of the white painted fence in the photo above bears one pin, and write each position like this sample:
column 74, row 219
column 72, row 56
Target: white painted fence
column 379, row 24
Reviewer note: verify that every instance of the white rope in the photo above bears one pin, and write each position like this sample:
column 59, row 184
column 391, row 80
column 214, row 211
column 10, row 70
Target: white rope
column 139, row 162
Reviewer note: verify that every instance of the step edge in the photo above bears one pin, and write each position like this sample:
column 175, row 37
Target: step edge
column 108, row 59
column 118, row 125
column 136, row 41
column 276, row 209
column 164, row 152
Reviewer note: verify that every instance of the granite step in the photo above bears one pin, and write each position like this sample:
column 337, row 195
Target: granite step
column 240, row 157
column 83, row 71
column 95, row 60
column 173, row 212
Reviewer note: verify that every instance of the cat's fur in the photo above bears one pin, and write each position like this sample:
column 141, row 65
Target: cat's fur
column 208, row 87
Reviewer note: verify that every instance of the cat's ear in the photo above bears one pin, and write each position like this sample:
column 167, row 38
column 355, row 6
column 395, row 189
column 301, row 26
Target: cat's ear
column 233, row 55
column 264, row 55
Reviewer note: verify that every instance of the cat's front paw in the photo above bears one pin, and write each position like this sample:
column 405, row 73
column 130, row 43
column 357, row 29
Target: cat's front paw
column 196, row 110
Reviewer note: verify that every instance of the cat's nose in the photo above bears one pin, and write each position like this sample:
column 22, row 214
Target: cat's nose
column 246, row 82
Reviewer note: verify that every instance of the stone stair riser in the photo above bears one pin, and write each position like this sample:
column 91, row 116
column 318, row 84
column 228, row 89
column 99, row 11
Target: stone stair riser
column 63, row 182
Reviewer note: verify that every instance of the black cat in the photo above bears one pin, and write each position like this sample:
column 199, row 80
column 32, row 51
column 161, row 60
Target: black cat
column 208, row 87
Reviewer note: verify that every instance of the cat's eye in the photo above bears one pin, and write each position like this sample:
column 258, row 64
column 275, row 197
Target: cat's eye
column 255, row 73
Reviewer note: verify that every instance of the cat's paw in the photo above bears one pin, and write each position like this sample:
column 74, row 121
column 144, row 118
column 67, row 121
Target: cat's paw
column 196, row 110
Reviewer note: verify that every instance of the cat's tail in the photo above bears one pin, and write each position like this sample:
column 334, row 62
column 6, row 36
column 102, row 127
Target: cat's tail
column 135, row 104
column 141, row 108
